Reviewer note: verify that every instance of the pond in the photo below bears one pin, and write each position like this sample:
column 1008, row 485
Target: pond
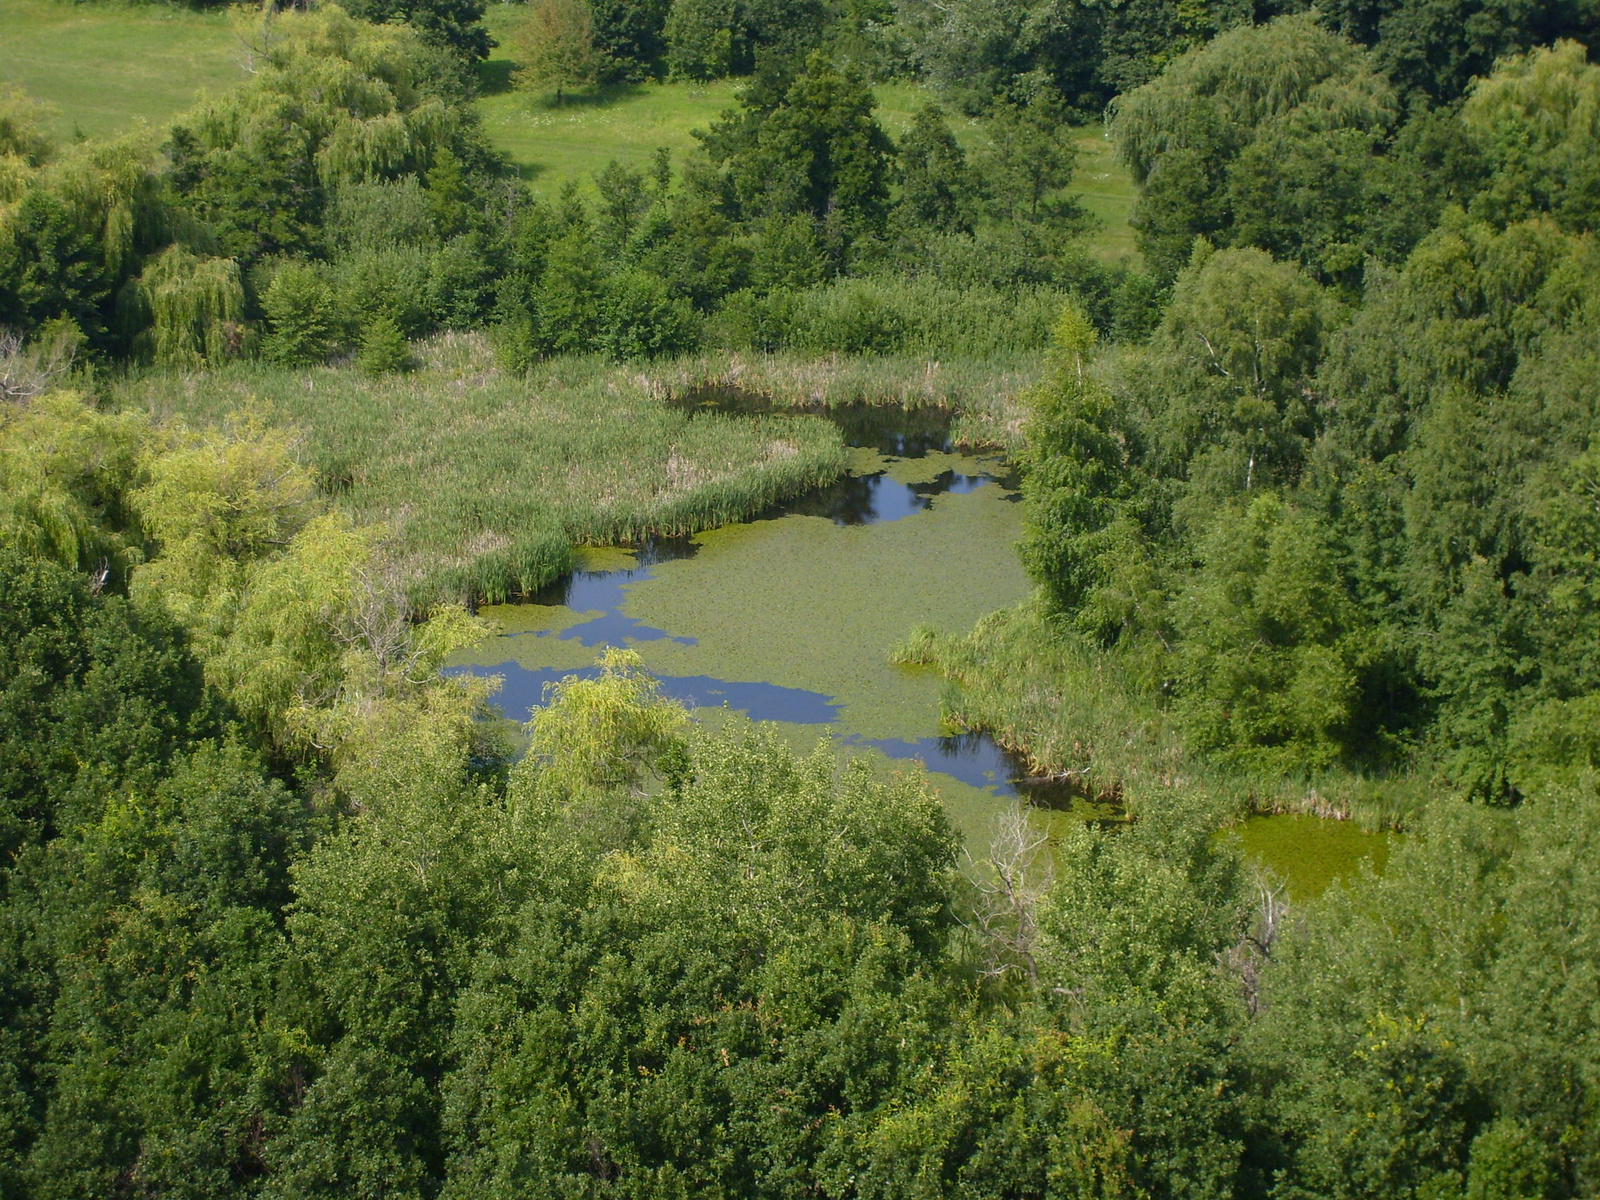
column 791, row 617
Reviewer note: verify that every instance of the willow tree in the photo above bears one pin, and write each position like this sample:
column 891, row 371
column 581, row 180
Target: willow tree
column 189, row 310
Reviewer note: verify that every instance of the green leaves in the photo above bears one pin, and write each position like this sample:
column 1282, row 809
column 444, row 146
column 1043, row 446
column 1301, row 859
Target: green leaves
column 1272, row 645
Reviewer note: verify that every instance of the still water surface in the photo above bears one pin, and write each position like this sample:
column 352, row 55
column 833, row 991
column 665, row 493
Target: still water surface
column 791, row 617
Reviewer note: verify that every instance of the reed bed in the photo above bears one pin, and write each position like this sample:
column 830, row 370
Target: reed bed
column 487, row 480
column 1074, row 717
column 986, row 395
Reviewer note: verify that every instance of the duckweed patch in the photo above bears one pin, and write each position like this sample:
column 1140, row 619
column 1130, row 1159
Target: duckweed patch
column 1310, row 853
column 793, row 617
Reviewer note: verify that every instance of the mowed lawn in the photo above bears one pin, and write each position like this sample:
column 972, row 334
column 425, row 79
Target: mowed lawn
column 103, row 66
column 551, row 143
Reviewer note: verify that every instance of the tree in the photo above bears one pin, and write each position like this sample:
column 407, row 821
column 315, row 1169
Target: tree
column 298, row 306
column 700, row 38
column 1538, row 119
column 1273, row 647
column 456, row 25
column 1237, row 348
column 938, row 189
column 808, row 144
column 630, row 36
column 1075, row 471
column 554, row 46
column 1438, row 47
column 1182, row 132
column 383, row 347
column 1028, row 159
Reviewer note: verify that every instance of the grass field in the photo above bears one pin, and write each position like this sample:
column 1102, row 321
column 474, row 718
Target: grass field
column 104, row 66
column 486, row 480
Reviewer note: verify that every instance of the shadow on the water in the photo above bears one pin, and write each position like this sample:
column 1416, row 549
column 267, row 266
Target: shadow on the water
column 873, row 499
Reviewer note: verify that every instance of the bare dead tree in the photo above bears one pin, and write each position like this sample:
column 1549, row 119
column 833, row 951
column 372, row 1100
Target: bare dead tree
column 381, row 618
column 1246, row 957
column 1008, row 886
column 28, row 369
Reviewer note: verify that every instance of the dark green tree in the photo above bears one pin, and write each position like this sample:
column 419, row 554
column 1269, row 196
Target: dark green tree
column 938, row 189
column 456, row 25
column 808, row 145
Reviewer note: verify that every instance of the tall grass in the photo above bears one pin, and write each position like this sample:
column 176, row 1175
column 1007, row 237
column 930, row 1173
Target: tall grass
column 487, row 480
column 986, row 395
column 1072, row 714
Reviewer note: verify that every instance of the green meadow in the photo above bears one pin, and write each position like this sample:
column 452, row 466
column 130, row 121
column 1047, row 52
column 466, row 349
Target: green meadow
column 105, row 66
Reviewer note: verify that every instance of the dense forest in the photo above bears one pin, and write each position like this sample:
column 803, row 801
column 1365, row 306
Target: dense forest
column 1311, row 500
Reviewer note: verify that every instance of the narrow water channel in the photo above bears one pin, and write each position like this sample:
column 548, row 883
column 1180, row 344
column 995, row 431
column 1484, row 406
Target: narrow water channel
column 791, row 617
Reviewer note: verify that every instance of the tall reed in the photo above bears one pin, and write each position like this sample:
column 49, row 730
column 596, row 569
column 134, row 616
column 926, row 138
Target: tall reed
column 985, row 394
column 487, row 480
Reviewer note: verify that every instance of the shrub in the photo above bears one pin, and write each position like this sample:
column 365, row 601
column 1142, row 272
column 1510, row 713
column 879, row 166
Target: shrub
column 392, row 281
column 300, row 320
column 643, row 321
column 383, row 347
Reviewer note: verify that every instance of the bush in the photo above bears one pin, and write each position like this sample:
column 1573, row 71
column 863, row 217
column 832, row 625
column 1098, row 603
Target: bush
column 643, row 321
column 370, row 215
column 383, row 347
column 392, row 281
column 460, row 284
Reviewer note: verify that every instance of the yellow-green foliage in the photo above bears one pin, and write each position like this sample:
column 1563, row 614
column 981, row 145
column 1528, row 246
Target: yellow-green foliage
column 293, row 609
column 1538, row 119
column 23, row 144
column 289, row 605
column 193, row 307
column 598, row 734
column 64, row 468
column 215, row 502
column 354, row 86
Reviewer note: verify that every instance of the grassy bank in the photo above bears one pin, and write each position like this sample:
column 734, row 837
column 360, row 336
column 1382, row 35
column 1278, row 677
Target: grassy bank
column 1074, row 716
column 105, row 66
column 487, row 480
column 985, row 394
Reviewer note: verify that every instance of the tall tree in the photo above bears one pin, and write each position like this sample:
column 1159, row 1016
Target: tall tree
column 554, row 44
column 808, row 145
column 454, row 24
